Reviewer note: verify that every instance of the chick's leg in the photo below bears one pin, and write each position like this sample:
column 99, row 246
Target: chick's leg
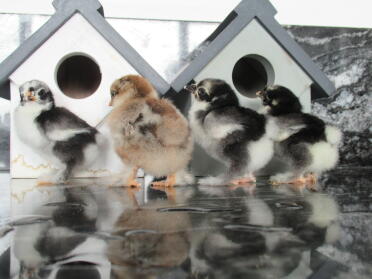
column 46, row 178
column 237, row 170
column 311, row 178
column 169, row 182
column 59, row 177
column 131, row 181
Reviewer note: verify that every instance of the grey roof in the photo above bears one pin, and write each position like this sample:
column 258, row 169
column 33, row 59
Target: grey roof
column 240, row 17
column 93, row 13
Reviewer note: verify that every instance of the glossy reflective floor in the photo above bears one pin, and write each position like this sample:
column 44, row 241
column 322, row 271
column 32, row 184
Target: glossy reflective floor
column 92, row 230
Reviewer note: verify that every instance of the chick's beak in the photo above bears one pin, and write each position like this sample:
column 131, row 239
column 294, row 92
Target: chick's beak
column 259, row 93
column 190, row 88
column 30, row 96
column 110, row 103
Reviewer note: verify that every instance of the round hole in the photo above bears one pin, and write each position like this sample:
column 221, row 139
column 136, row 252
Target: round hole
column 78, row 76
column 252, row 73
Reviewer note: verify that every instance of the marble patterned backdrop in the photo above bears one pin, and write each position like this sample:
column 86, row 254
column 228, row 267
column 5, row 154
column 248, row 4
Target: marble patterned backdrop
column 344, row 54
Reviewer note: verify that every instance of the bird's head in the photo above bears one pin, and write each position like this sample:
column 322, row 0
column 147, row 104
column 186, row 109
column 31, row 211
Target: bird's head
column 279, row 100
column 212, row 91
column 129, row 87
column 36, row 91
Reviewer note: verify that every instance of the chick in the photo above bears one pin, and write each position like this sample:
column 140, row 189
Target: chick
column 55, row 133
column 238, row 137
column 148, row 132
column 310, row 150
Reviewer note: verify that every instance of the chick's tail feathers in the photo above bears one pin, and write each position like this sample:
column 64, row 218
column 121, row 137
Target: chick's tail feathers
column 333, row 135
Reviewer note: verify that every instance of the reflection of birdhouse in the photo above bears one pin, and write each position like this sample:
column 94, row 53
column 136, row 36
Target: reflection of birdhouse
column 250, row 50
column 78, row 55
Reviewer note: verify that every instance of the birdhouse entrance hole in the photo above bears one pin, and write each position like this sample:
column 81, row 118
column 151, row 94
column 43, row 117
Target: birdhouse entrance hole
column 78, row 76
column 252, row 73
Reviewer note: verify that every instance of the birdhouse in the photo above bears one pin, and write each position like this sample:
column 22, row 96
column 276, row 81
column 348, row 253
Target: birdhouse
column 251, row 50
column 78, row 55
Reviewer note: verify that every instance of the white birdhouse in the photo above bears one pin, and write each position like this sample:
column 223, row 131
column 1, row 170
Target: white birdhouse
column 78, row 55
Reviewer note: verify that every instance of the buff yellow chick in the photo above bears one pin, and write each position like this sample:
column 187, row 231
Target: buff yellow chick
column 148, row 132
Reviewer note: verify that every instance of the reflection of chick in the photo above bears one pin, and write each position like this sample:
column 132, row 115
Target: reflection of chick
column 148, row 132
column 313, row 148
column 269, row 235
column 145, row 240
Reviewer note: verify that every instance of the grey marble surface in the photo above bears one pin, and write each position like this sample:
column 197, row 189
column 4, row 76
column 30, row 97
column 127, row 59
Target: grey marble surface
column 94, row 230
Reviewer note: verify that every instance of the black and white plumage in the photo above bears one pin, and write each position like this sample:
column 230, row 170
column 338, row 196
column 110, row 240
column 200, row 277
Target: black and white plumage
column 54, row 133
column 236, row 136
column 310, row 148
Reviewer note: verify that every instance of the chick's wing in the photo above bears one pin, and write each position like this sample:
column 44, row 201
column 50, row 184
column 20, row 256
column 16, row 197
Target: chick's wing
column 172, row 129
column 130, row 116
column 224, row 121
column 60, row 124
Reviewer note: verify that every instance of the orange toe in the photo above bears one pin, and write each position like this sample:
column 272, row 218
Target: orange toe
column 133, row 183
column 44, row 183
column 244, row 180
column 298, row 181
column 311, row 178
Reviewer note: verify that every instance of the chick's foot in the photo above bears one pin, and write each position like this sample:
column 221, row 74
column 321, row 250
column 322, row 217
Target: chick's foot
column 243, row 180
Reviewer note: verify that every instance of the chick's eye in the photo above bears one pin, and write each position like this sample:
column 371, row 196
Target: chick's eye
column 267, row 95
column 113, row 93
column 42, row 94
column 202, row 91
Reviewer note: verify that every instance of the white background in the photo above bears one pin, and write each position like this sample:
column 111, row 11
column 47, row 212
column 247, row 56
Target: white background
column 343, row 13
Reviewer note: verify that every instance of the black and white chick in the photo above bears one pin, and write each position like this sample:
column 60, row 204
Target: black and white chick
column 312, row 146
column 239, row 137
column 56, row 134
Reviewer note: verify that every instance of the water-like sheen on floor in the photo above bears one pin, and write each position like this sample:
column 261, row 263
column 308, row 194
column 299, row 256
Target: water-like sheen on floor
column 88, row 229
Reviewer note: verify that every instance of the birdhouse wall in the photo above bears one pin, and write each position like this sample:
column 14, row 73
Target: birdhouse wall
column 75, row 37
column 254, row 41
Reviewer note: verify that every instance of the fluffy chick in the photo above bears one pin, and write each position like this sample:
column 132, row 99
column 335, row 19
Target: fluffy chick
column 238, row 137
column 312, row 146
column 148, row 132
column 55, row 133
